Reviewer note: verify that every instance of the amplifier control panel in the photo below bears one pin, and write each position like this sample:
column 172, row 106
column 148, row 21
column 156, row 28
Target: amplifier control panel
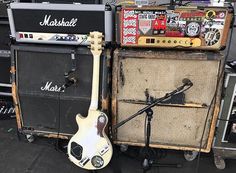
column 74, row 39
column 170, row 41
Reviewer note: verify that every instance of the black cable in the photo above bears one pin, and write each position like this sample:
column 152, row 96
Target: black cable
column 204, row 129
column 59, row 121
column 82, row 41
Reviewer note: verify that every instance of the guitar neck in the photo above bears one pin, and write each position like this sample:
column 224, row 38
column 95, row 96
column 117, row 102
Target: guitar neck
column 95, row 83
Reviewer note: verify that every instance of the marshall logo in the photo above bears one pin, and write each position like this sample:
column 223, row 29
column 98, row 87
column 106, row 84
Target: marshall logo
column 49, row 87
column 55, row 22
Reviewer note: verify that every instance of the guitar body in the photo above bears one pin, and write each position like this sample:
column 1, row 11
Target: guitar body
column 90, row 148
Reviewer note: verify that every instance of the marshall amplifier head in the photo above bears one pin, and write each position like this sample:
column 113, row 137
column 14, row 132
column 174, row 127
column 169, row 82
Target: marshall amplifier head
column 58, row 23
column 179, row 27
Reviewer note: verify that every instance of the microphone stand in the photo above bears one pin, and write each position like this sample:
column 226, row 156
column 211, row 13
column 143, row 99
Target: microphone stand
column 147, row 162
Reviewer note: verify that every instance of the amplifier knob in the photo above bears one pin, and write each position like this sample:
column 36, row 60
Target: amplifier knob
column 163, row 41
column 175, row 41
column 169, row 41
column 158, row 41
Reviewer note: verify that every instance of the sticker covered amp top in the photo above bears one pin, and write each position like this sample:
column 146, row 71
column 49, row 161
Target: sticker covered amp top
column 182, row 27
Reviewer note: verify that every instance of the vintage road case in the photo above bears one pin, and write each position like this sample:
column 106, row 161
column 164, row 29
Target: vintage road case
column 224, row 145
column 174, row 126
column 38, row 73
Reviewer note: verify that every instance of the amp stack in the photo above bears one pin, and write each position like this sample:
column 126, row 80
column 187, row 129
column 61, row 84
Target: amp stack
column 51, row 49
column 6, row 105
column 143, row 72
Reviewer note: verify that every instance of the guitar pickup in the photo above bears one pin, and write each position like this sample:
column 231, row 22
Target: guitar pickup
column 104, row 150
column 84, row 161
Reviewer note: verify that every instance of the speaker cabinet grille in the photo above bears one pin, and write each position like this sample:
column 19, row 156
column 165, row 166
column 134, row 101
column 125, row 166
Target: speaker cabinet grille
column 4, row 35
column 40, row 74
column 178, row 126
column 3, row 10
column 5, row 65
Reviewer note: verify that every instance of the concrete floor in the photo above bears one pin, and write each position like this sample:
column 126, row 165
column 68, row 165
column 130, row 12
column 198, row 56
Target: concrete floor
column 41, row 156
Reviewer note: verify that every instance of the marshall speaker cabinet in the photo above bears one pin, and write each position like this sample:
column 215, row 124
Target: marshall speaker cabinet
column 5, row 66
column 179, row 123
column 59, row 23
column 6, row 103
column 4, row 35
column 38, row 75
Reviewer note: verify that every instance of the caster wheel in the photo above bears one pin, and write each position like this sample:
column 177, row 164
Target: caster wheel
column 219, row 162
column 190, row 155
column 123, row 147
column 30, row 138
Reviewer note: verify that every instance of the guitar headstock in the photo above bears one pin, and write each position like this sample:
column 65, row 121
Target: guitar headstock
column 95, row 39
